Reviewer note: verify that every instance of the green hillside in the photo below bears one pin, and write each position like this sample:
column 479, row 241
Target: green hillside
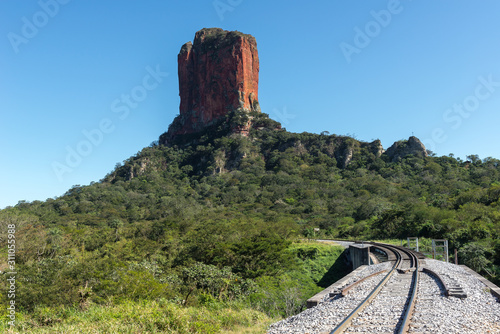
column 215, row 221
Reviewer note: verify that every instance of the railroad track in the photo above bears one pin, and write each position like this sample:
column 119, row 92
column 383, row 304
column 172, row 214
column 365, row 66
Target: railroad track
column 397, row 291
column 450, row 300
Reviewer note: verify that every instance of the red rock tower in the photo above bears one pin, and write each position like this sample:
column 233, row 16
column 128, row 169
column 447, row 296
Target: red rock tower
column 218, row 73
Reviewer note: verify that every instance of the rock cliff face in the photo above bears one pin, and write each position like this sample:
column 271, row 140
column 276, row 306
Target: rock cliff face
column 218, row 73
column 412, row 146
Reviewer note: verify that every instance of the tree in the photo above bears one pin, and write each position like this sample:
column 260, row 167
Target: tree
column 474, row 158
column 473, row 255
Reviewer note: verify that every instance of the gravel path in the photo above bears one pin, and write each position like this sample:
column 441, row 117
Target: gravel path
column 434, row 313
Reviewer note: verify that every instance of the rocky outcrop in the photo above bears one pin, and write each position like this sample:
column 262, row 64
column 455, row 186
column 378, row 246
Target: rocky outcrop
column 218, row 89
column 376, row 148
column 347, row 156
column 218, row 73
column 412, row 146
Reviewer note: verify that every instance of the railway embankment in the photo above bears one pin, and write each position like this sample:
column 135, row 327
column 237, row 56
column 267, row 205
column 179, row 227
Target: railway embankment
column 448, row 299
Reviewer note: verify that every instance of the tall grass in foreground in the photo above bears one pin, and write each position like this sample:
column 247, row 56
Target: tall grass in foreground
column 141, row 317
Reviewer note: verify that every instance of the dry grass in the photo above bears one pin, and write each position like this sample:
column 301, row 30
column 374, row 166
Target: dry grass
column 141, row 317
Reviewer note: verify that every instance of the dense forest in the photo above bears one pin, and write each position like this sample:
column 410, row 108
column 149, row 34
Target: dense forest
column 217, row 221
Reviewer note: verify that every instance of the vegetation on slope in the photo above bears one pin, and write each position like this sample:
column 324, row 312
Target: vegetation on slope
column 215, row 218
column 146, row 316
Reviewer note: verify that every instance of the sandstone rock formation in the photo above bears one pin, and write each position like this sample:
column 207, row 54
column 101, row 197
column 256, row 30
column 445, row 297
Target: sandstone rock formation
column 412, row 146
column 218, row 73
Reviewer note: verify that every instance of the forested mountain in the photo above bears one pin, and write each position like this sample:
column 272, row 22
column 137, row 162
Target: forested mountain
column 204, row 229
column 232, row 204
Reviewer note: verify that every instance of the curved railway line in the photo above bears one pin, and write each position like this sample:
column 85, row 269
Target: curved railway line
column 404, row 294
column 406, row 262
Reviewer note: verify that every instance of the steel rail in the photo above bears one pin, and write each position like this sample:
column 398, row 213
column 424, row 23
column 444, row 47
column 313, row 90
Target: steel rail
column 347, row 321
column 405, row 324
column 349, row 287
column 439, row 278
column 408, row 311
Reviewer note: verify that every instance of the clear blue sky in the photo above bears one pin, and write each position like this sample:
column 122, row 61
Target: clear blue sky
column 373, row 69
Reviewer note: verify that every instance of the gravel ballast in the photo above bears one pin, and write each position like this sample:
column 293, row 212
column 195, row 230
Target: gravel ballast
column 434, row 311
